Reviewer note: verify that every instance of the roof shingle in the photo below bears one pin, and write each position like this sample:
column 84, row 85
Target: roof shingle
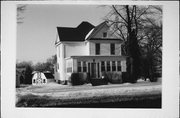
column 74, row 34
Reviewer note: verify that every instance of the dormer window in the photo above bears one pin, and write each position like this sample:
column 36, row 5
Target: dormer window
column 104, row 34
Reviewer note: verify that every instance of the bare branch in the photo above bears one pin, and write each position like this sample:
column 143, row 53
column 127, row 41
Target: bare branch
column 119, row 13
column 132, row 12
column 121, row 34
column 157, row 7
column 143, row 12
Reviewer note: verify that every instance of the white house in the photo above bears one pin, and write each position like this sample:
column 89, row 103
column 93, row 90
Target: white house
column 88, row 48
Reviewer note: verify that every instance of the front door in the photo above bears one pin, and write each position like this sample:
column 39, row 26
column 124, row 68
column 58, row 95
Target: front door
column 93, row 70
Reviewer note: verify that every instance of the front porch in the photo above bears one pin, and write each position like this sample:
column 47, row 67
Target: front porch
column 95, row 65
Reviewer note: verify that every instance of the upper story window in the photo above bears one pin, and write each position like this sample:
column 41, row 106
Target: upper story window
column 97, row 48
column 112, row 47
column 104, row 34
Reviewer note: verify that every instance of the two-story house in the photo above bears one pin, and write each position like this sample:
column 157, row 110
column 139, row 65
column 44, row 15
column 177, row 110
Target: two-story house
column 88, row 48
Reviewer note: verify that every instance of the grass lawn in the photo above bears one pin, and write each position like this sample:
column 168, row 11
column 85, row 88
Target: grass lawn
column 139, row 95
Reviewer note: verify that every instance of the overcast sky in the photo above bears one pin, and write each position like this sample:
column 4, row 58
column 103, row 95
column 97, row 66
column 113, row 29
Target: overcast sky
column 36, row 35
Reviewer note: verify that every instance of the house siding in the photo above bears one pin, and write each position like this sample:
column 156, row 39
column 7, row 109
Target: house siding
column 105, row 48
column 92, row 48
column 70, row 53
column 74, row 65
column 110, row 34
column 62, row 63
column 88, row 48
column 76, row 49
column 100, row 33
column 118, row 49
column 97, row 60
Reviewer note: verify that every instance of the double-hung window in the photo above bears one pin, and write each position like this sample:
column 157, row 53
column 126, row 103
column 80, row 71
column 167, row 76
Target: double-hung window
column 97, row 48
column 112, row 47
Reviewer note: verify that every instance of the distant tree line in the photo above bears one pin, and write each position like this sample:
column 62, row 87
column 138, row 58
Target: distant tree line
column 29, row 68
column 46, row 66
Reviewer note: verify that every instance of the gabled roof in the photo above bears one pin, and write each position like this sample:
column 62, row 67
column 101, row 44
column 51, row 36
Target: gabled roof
column 96, row 29
column 74, row 34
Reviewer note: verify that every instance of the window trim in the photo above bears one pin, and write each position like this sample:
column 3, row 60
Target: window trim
column 108, row 66
column 103, row 66
column 113, row 66
column 97, row 48
column 112, row 48
column 79, row 66
column 119, row 66
column 104, row 34
column 84, row 66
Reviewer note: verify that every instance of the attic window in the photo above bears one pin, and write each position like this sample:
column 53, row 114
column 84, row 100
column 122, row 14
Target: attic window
column 104, row 34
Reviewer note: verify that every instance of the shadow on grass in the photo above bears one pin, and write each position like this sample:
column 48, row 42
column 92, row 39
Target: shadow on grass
column 117, row 101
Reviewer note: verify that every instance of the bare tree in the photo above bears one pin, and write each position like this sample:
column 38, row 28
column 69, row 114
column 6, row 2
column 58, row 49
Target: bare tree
column 141, row 23
column 123, row 19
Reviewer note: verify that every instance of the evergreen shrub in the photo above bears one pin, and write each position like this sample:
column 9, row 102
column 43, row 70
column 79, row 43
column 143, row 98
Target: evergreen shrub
column 79, row 78
column 113, row 77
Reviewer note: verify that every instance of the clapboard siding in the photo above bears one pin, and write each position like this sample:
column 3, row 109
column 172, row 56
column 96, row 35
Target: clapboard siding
column 105, row 48
column 118, row 49
column 76, row 49
column 100, row 33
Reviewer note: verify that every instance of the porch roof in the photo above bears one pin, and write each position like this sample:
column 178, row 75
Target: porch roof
column 109, row 57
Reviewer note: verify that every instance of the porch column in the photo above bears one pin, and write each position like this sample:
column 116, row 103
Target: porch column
column 81, row 66
column 100, row 74
column 96, row 69
column 90, row 69
column 105, row 65
column 116, row 66
column 87, row 67
column 123, row 65
column 62, row 65
column 110, row 66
